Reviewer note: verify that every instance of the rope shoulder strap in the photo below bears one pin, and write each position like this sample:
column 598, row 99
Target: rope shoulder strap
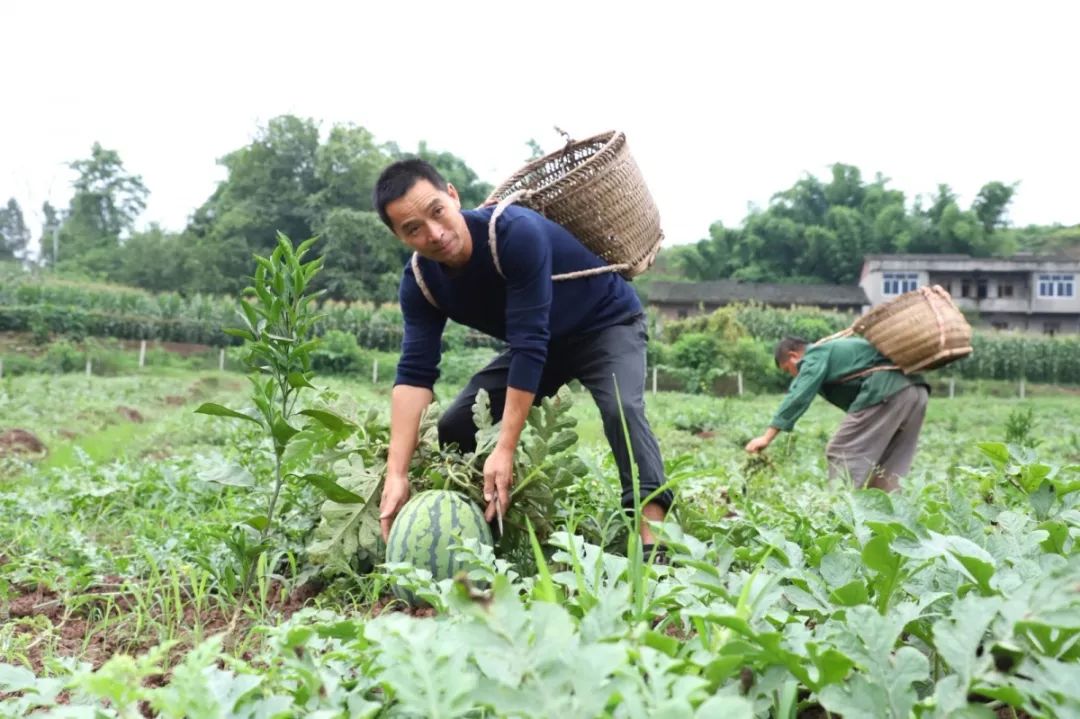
column 493, row 243
column 493, row 246
column 419, row 277
column 865, row 373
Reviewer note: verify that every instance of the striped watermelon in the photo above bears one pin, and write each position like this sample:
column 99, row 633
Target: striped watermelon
column 427, row 525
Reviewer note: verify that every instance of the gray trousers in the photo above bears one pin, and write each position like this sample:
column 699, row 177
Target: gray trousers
column 877, row 444
column 597, row 360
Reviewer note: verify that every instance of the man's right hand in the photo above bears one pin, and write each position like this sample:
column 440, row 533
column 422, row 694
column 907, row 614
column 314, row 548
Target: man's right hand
column 757, row 444
column 395, row 494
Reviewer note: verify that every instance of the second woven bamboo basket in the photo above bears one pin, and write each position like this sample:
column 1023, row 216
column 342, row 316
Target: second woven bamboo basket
column 919, row 330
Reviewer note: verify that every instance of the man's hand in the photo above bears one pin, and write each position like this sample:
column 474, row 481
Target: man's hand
column 757, row 444
column 395, row 494
column 498, row 478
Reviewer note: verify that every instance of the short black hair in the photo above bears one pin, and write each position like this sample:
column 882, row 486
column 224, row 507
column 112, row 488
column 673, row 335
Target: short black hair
column 787, row 345
column 398, row 178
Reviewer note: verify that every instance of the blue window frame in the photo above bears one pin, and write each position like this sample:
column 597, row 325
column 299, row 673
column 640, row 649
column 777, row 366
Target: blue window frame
column 1057, row 286
column 897, row 283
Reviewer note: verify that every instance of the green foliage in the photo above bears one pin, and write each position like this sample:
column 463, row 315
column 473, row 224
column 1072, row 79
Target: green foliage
column 1019, row 428
column 724, row 342
column 338, row 353
column 14, row 234
column 48, row 306
column 818, row 231
column 877, row 606
column 696, row 350
column 348, row 536
column 996, row 355
column 723, row 324
column 278, row 325
column 363, row 258
column 471, row 189
column 103, row 209
column 954, row 597
column 286, row 180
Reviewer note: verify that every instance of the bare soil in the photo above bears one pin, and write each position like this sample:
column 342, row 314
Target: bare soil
column 75, row 634
column 20, row 441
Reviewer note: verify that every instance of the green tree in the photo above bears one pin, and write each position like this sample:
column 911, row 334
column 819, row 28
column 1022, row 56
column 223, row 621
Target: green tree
column 992, row 203
column 819, row 231
column 101, row 213
column 287, row 181
column 159, row 261
column 470, row 188
column 14, row 234
column 346, row 167
column 708, row 259
column 363, row 260
column 847, row 188
column 107, row 198
column 268, row 189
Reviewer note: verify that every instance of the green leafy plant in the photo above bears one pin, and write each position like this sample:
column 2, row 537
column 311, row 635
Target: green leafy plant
column 348, row 533
column 277, row 332
column 1019, row 427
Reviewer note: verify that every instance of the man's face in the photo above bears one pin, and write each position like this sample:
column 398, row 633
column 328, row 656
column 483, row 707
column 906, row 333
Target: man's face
column 791, row 364
column 429, row 220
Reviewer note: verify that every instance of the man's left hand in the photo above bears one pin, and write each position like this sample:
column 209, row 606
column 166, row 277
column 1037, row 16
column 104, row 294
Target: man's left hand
column 498, row 478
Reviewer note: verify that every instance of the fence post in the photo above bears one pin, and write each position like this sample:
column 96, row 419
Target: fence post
column 654, row 381
column 142, row 354
column 89, row 366
column 1023, row 389
column 221, row 360
column 952, row 387
column 375, row 371
column 1, row 368
column 738, row 377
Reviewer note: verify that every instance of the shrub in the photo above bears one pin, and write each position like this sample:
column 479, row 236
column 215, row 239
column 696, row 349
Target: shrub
column 338, row 353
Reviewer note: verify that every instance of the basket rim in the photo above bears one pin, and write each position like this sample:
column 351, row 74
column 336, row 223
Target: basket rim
column 609, row 138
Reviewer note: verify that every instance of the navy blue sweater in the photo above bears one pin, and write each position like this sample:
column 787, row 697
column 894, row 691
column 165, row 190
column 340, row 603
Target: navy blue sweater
column 526, row 309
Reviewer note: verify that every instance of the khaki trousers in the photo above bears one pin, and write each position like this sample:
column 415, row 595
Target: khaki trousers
column 877, row 444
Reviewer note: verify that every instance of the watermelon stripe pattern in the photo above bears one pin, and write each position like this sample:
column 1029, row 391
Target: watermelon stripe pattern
column 427, row 525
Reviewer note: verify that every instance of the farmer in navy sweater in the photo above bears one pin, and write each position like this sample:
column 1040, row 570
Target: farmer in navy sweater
column 591, row 329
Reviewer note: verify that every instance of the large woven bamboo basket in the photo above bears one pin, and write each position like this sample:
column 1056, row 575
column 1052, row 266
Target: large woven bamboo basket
column 595, row 190
column 919, row 330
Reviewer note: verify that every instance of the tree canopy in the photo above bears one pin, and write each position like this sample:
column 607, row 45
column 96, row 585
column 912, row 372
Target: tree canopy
column 14, row 234
column 287, row 179
column 819, row 231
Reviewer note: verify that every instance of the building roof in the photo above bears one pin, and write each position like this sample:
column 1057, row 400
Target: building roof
column 1016, row 263
column 728, row 291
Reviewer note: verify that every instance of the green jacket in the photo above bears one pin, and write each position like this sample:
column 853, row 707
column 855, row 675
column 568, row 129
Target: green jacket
column 824, row 365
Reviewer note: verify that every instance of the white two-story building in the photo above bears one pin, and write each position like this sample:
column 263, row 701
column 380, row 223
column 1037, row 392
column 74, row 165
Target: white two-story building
column 1025, row 292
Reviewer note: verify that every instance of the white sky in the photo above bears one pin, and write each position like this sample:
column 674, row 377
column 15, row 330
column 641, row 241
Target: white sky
column 722, row 105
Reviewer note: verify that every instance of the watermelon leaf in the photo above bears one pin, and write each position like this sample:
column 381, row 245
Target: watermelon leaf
column 333, row 491
column 347, row 530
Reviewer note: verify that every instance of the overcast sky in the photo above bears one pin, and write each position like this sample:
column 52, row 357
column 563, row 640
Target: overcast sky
column 722, row 105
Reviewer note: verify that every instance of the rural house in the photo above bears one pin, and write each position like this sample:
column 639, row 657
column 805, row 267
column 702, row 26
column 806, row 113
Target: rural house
column 675, row 300
column 1025, row 292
